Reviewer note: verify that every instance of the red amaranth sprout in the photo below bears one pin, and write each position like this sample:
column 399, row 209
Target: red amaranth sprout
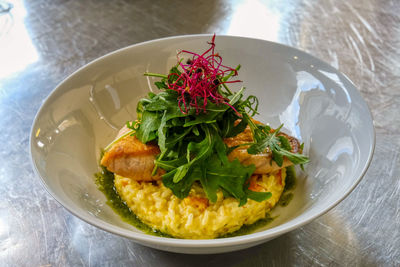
column 201, row 77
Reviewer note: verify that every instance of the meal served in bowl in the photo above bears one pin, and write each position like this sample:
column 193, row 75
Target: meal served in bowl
column 317, row 104
column 194, row 163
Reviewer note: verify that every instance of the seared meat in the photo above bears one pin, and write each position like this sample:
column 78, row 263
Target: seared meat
column 131, row 158
column 263, row 161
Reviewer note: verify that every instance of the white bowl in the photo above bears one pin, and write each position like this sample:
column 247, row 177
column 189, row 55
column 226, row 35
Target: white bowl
column 317, row 104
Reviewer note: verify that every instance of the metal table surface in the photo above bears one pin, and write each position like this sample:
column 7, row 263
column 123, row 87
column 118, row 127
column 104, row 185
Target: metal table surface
column 43, row 41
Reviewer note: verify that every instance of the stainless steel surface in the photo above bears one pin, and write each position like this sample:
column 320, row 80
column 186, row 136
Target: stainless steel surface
column 41, row 42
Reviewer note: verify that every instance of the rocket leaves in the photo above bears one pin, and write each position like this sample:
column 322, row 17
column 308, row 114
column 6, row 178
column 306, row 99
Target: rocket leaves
column 191, row 140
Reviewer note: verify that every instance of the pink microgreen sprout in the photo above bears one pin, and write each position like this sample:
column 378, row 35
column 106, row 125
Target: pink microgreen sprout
column 201, row 77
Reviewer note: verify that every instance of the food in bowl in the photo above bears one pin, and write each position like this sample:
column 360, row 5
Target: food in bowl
column 195, row 164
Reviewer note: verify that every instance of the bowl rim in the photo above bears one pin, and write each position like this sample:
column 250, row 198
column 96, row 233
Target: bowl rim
column 198, row 243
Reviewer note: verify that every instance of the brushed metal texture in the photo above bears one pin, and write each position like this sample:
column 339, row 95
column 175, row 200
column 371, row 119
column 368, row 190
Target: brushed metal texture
column 41, row 42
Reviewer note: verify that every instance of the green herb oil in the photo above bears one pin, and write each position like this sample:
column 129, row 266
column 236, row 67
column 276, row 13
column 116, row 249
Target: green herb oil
column 290, row 184
column 290, row 180
column 248, row 229
column 105, row 183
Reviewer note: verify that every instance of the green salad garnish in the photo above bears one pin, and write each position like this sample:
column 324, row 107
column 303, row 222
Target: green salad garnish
column 189, row 118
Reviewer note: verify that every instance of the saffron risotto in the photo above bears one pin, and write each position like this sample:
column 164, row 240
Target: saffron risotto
column 194, row 217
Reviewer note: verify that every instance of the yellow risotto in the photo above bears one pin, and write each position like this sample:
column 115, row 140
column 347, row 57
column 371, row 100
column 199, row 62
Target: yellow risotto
column 195, row 217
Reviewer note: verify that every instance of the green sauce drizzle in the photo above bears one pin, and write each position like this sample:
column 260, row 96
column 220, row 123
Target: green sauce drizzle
column 285, row 199
column 290, row 180
column 290, row 184
column 105, row 183
column 247, row 229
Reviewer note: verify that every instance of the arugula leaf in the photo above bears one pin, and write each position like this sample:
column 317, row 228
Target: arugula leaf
column 202, row 149
column 170, row 165
column 210, row 186
column 162, row 133
column 150, row 122
column 231, row 73
column 285, row 144
column 277, row 157
column 180, row 172
column 220, row 147
column 161, row 85
column 181, row 189
column 174, row 112
column 213, row 110
column 176, row 137
column 269, row 141
column 218, row 173
column 224, row 79
column 196, row 131
column 233, row 99
column 230, row 130
column 279, row 146
column 294, row 157
column 230, row 176
column 258, row 196
column 195, row 152
column 191, row 144
column 163, row 101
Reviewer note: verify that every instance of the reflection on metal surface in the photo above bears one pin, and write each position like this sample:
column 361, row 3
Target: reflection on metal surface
column 16, row 48
column 252, row 18
column 5, row 7
column 361, row 38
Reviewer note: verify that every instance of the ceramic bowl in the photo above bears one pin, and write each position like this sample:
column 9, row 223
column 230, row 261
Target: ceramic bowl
column 316, row 103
